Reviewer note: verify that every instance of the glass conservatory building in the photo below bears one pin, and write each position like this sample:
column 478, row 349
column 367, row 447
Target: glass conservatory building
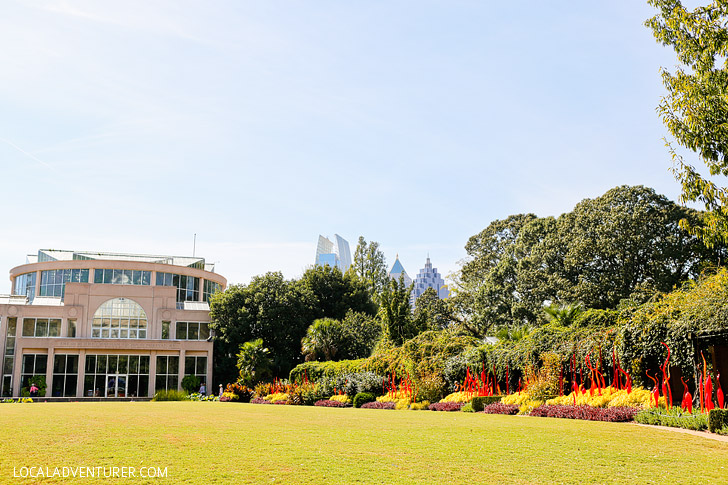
column 106, row 325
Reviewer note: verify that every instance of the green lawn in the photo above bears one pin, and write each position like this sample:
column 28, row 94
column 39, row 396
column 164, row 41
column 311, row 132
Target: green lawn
column 228, row 442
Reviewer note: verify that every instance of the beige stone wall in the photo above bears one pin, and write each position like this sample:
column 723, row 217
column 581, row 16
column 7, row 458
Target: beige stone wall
column 81, row 302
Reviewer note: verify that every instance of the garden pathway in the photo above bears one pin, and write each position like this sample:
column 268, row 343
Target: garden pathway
column 704, row 434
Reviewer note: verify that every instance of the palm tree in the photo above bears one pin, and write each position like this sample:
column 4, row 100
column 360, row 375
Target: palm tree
column 254, row 363
column 323, row 338
column 564, row 314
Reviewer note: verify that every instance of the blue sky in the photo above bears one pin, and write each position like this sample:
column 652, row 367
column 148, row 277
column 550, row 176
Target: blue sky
column 260, row 125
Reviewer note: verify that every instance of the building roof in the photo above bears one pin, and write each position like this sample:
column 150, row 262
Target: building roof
column 68, row 255
column 397, row 268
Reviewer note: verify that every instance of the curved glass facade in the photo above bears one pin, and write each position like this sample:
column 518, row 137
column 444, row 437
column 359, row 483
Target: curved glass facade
column 209, row 288
column 188, row 287
column 122, row 277
column 25, row 285
column 53, row 282
column 120, row 318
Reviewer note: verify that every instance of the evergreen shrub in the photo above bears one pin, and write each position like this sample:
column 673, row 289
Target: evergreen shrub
column 363, row 398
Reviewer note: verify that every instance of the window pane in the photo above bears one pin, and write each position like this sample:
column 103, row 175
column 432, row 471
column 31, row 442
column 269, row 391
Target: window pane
column 90, row 364
column 189, row 366
column 98, row 276
column 144, row 364
column 113, row 363
column 173, row 365
column 72, row 364
column 41, row 327
column 162, row 364
column 123, row 364
column 101, row 364
column 72, row 328
column 181, row 331
column 70, row 388
column 192, row 330
column 8, row 365
column 160, row 383
column 59, row 365
column 54, row 328
column 165, row 330
column 201, row 366
column 133, row 364
column 204, row 331
column 28, row 327
column 41, row 362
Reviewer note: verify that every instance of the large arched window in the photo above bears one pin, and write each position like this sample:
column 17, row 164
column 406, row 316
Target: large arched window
column 119, row 318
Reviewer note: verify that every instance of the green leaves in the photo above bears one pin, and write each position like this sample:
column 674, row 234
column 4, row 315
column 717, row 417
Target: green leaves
column 626, row 243
column 695, row 109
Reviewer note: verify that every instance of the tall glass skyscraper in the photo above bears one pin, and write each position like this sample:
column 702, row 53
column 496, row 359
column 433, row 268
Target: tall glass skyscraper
column 335, row 254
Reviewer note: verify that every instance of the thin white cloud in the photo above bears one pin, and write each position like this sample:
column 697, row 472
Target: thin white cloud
column 29, row 155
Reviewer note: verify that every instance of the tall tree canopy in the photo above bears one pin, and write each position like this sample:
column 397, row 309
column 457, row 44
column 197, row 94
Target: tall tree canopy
column 371, row 266
column 270, row 308
column 606, row 249
column 695, row 108
column 336, row 293
column 395, row 314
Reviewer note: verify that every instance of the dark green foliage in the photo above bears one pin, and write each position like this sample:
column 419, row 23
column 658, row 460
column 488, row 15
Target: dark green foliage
column 336, row 294
column 324, row 340
column 352, row 338
column 626, row 243
column 270, row 308
column 370, row 266
column 717, row 419
column 317, row 370
column 479, row 402
column 254, row 363
column 394, row 312
column 40, row 383
column 431, row 312
column 363, row 398
column 695, row 108
column 191, row 384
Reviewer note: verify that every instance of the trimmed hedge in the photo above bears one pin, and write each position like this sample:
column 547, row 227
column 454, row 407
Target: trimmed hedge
column 674, row 418
column 363, row 398
column 316, row 370
column 479, row 402
column 717, row 419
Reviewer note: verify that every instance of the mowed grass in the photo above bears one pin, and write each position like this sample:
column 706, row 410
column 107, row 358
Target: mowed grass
column 246, row 443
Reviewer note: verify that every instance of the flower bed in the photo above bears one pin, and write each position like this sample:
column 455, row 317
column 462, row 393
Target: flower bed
column 500, row 408
column 446, row 406
column 608, row 397
column 259, row 400
column 378, row 405
column 613, row 414
column 328, row 403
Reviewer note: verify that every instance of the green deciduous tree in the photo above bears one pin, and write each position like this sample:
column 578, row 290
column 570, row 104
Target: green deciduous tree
column 623, row 243
column 353, row 337
column 336, row 293
column 271, row 308
column 394, row 312
column 695, row 108
column 371, row 266
column 433, row 313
